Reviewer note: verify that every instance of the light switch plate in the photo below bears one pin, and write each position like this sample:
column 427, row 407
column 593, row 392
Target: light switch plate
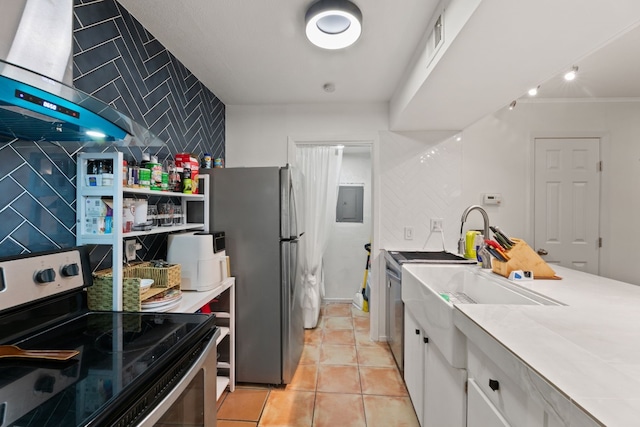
column 408, row 233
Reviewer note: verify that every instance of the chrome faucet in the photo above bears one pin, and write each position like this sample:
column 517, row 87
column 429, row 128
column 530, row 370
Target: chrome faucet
column 486, row 262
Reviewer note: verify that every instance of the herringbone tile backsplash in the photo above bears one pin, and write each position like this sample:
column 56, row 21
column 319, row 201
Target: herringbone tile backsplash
column 119, row 62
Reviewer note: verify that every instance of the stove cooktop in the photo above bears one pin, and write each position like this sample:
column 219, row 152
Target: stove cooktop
column 120, row 353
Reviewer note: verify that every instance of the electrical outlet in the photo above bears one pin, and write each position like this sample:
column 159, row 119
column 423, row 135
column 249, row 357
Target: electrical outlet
column 408, row 233
column 436, row 224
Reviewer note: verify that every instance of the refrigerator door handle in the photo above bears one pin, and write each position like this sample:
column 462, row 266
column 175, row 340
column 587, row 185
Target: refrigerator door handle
column 285, row 203
column 294, row 267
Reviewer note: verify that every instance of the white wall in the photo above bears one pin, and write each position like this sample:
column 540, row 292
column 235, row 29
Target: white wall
column 345, row 257
column 261, row 135
column 497, row 158
column 418, row 176
column 410, row 183
column 419, row 180
column 257, row 135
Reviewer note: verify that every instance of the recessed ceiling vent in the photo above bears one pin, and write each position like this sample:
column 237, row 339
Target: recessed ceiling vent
column 435, row 39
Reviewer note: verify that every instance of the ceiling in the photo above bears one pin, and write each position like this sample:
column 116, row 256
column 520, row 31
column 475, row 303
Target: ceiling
column 610, row 72
column 255, row 52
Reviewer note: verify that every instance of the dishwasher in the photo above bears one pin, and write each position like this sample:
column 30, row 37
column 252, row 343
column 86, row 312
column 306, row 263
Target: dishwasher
column 395, row 311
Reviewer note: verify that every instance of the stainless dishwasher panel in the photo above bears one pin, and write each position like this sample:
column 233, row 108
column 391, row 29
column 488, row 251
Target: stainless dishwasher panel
column 395, row 317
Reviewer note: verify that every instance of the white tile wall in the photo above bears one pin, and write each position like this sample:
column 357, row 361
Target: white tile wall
column 419, row 180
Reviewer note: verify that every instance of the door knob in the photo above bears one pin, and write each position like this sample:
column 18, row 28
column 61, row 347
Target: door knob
column 542, row 252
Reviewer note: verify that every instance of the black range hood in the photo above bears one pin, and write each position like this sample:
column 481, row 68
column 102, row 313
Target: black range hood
column 35, row 107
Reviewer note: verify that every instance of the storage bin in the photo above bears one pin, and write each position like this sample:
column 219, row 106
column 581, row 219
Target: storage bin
column 100, row 295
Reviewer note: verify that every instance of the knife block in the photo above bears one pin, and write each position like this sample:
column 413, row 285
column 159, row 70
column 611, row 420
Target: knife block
column 522, row 257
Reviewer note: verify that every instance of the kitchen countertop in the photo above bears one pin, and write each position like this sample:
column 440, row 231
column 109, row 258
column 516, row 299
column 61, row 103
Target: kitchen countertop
column 588, row 349
column 192, row 301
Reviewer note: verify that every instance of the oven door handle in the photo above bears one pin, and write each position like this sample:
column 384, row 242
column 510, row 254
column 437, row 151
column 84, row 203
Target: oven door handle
column 160, row 409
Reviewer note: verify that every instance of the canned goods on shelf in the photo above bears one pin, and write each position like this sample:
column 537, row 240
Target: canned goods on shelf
column 144, row 176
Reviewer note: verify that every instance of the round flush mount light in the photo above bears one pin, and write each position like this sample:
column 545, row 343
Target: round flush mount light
column 333, row 24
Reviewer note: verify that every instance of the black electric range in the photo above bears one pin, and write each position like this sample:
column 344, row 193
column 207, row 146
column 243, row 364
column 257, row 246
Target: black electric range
column 127, row 361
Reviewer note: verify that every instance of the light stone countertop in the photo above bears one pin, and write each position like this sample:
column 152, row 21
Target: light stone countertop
column 588, row 349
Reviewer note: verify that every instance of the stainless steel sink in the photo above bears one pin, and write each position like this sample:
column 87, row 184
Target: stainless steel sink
column 429, row 257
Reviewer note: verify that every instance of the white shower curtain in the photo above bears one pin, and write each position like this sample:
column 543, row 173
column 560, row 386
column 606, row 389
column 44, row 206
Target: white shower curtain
column 321, row 168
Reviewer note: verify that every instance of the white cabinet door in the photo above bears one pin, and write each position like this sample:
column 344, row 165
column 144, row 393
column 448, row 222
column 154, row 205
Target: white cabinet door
column 414, row 363
column 480, row 410
column 444, row 396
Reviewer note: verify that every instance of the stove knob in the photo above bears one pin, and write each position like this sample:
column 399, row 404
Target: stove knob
column 46, row 276
column 70, row 270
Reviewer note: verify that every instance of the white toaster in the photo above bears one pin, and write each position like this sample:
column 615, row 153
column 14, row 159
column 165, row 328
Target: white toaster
column 201, row 268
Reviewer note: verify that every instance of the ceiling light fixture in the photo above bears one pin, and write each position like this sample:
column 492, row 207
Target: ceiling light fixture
column 333, row 24
column 512, row 105
column 533, row 91
column 571, row 75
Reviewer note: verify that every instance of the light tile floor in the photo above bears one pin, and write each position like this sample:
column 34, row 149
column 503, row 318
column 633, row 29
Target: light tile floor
column 344, row 379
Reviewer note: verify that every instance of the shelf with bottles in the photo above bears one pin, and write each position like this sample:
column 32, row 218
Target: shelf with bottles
column 98, row 221
column 101, row 187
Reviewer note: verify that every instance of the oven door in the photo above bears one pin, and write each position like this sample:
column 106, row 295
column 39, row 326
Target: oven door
column 192, row 401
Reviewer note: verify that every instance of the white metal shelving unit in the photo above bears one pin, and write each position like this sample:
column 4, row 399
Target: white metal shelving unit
column 116, row 192
column 222, row 298
column 223, row 305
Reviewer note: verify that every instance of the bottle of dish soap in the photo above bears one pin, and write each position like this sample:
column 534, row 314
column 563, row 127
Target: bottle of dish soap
column 470, row 244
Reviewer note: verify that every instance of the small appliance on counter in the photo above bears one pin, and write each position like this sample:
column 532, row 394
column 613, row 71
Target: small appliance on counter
column 202, row 257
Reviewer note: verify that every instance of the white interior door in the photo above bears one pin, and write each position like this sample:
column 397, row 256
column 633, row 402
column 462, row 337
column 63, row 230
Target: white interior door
column 567, row 201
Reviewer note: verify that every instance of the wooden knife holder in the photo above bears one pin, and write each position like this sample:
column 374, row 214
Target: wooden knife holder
column 522, row 257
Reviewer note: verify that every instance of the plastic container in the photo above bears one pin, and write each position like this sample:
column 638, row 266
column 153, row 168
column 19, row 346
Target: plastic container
column 125, row 173
column 144, row 176
column 93, row 180
column 165, row 214
column 207, row 161
column 164, row 186
column 186, row 181
column 107, row 179
column 156, row 175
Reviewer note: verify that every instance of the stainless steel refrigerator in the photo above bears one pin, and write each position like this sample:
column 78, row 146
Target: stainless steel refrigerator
column 258, row 211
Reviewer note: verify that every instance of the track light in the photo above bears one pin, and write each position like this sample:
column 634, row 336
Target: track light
column 512, row 105
column 571, row 74
column 533, row 91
